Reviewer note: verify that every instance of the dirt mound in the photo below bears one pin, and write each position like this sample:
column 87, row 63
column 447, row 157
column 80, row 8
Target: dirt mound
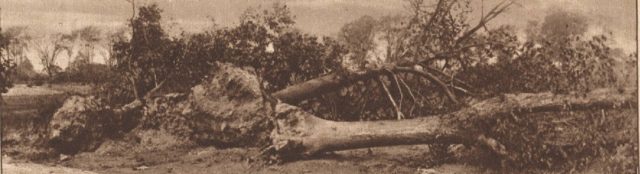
column 233, row 105
column 226, row 110
column 81, row 124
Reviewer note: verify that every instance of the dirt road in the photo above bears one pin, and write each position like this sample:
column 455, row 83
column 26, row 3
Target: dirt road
column 400, row 159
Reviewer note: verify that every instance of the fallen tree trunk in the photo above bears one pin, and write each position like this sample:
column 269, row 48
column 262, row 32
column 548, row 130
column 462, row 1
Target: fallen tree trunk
column 334, row 81
column 321, row 85
column 299, row 132
column 229, row 110
column 302, row 133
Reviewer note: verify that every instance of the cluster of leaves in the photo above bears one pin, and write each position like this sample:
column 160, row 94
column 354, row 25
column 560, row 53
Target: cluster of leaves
column 560, row 64
column 14, row 40
column 281, row 55
column 396, row 40
column 571, row 65
column 566, row 141
column 266, row 41
column 83, row 72
column 493, row 62
column 25, row 72
column 143, row 61
column 7, row 66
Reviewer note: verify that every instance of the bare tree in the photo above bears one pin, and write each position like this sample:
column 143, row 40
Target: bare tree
column 18, row 43
column 48, row 49
column 84, row 44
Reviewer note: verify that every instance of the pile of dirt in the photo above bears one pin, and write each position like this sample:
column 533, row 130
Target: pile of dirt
column 233, row 104
column 81, row 124
column 226, row 110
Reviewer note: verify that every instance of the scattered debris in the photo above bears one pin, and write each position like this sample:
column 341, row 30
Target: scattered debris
column 142, row 167
column 64, row 157
column 427, row 171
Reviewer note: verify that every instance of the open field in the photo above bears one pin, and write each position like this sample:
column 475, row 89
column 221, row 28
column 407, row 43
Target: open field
column 24, row 90
column 25, row 114
column 28, row 105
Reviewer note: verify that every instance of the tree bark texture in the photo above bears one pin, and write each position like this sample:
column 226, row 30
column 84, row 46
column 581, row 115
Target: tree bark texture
column 298, row 132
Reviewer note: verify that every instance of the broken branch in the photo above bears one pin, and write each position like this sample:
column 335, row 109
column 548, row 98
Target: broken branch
column 394, row 79
column 399, row 114
column 494, row 12
column 413, row 97
column 465, row 84
column 321, row 85
column 432, row 78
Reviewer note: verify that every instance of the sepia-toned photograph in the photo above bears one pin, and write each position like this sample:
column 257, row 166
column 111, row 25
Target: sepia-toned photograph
column 319, row 86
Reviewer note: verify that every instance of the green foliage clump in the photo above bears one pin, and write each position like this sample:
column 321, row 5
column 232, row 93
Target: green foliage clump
column 85, row 72
column 7, row 66
column 279, row 53
column 573, row 65
column 491, row 61
column 566, row 141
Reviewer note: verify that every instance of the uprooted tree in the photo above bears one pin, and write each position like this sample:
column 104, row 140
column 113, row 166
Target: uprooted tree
column 231, row 110
column 265, row 84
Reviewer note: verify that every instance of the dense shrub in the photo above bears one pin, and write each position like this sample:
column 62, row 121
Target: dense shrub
column 564, row 141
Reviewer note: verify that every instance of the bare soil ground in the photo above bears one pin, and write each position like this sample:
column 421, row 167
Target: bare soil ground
column 401, row 159
column 10, row 166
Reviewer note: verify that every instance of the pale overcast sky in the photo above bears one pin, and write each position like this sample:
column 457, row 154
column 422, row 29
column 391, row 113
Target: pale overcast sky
column 322, row 17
